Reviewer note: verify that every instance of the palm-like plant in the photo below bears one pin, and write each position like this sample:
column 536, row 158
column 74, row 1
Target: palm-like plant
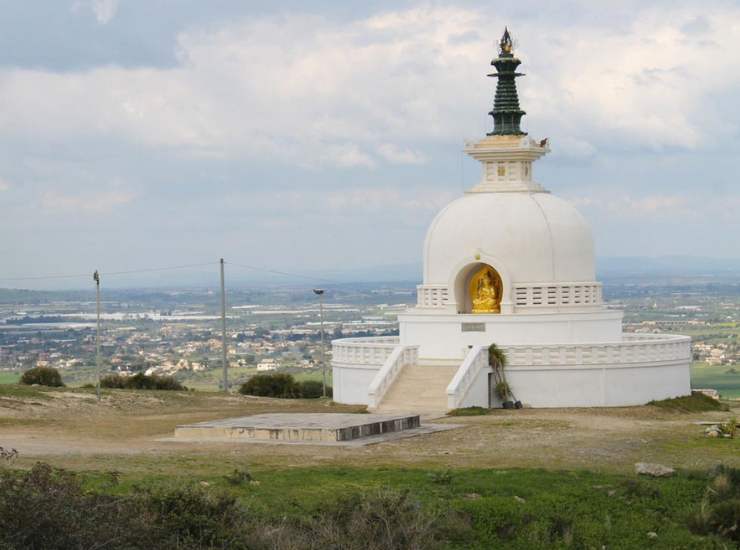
column 497, row 361
column 496, row 357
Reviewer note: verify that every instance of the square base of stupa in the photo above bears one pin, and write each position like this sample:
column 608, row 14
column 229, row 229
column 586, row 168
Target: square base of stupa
column 297, row 427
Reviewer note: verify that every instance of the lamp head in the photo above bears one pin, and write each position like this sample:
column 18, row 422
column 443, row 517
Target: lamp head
column 318, row 291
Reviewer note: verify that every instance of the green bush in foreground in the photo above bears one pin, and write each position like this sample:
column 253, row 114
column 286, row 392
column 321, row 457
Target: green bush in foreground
column 271, row 385
column 141, row 382
column 43, row 376
column 48, row 508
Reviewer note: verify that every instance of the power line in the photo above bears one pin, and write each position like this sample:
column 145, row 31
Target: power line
column 128, row 272
column 275, row 271
column 167, row 268
column 41, row 277
column 150, row 269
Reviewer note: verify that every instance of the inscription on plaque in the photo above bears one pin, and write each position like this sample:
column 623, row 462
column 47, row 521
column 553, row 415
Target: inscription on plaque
column 473, row 327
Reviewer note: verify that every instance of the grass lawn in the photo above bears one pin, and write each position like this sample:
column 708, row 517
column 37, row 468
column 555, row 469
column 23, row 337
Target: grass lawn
column 718, row 378
column 485, row 508
column 9, row 377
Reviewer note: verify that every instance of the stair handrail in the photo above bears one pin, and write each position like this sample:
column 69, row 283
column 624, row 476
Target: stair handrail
column 475, row 360
column 394, row 363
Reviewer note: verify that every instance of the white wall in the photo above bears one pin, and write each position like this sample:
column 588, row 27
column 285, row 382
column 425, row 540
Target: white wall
column 350, row 384
column 599, row 386
column 477, row 395
column 440, row 335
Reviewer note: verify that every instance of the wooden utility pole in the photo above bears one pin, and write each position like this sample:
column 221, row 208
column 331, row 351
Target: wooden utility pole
column 320, row 293
column 223, row 330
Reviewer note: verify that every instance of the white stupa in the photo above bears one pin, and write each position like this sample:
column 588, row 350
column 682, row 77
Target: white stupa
column 511, row 264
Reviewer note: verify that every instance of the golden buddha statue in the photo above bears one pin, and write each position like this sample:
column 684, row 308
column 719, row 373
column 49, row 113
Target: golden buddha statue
column 485, row 291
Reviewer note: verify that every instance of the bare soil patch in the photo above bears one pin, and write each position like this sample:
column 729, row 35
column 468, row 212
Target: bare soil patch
column 125, row 430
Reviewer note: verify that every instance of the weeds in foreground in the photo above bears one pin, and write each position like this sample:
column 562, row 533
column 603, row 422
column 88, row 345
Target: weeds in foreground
column 239, row 476
column 719, row 510
column 7, row 455
column 49, row 508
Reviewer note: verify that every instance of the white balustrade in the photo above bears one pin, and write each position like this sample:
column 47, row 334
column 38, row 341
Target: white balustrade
column 394, row 363
column 432, row 295
column 634, row 348
column 475, row 361
column 363, row 351
column 530, row 295
column 557, row 294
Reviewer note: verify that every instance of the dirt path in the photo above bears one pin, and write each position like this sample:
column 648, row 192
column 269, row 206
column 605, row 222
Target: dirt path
column 128, row 430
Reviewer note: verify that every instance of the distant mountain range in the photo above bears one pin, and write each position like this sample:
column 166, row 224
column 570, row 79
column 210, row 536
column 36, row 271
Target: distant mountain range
column 668, row 266
column 607, row 268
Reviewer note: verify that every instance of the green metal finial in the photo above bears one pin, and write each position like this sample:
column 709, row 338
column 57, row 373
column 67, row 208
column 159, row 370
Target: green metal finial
column 506, row 112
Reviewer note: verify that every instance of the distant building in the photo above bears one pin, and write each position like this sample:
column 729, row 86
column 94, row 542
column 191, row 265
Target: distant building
column 267, row 365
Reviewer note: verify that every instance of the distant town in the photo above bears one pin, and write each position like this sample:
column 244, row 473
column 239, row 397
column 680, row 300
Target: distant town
column 177, row 332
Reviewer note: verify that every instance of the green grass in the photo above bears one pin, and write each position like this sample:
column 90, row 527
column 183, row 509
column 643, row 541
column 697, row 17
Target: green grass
column 469, row 411
column 23, row 392
column 696, row 402
column 718, row 378
column 9, row 377
column 518, row 509
column 313, row 374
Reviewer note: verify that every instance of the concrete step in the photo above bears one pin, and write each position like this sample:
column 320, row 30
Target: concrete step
column 431, row 362
column 421, row 387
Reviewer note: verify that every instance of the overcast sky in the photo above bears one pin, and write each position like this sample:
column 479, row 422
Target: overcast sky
column 325, row 135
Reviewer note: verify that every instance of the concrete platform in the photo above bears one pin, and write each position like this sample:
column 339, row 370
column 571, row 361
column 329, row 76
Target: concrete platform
column 297, row 427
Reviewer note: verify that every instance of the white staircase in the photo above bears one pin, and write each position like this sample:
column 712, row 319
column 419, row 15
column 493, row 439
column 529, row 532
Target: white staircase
column 420, row 388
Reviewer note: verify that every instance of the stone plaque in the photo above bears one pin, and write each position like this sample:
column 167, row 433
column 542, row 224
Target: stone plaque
column 473, row 327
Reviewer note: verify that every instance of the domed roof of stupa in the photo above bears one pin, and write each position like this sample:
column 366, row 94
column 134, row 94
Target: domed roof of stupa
column 528, row 237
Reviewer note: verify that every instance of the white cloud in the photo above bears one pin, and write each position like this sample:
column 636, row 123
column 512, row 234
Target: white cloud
column 395, row 200
column 104, row 10
column 93, row 203
column 398, row 155
column 310, row 90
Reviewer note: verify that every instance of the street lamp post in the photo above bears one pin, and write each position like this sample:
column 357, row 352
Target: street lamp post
column 96, row 278
column 320, row 293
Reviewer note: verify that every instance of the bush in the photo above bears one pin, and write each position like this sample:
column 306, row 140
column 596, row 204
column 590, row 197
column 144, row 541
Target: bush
column 141, row 382
column 43, row 376
column 49, row 508
column 113, row 381
column 271, row 385
column 311, row 389
column 375, row 521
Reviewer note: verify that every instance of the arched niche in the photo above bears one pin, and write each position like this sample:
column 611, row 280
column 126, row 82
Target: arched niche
column 474, row 285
